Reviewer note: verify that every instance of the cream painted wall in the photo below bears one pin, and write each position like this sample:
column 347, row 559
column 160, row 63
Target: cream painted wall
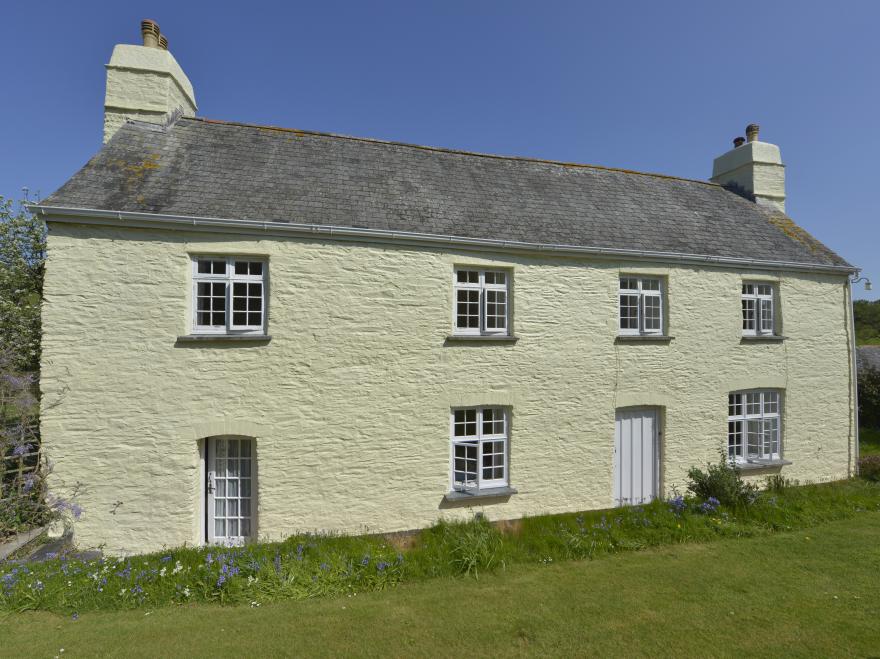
column 350, row 400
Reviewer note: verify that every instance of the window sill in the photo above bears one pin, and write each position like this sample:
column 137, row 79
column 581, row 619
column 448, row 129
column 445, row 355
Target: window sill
column 199, row 338
column 490, row 493
column 636, row 338
column 762, row 464
column 769, row 338
column 484, row 338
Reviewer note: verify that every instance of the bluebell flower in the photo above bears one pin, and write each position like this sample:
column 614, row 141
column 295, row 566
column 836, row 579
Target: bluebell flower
column 365, row 560
column 382, row 565
column 165, row 559
column 277, row 562
column 324, row 566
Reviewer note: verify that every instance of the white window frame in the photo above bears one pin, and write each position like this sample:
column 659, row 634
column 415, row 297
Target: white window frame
column 764, row 305
column 228, row 278
column 481, row 287
column 481, row 439
column 742, row 410
column 641, row 293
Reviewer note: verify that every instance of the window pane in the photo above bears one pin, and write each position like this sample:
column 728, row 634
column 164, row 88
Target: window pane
column 232, row 490
column 245, row 507
column 468, row 309
column 465, row 463
column 748, row 314
column 652, row 313
column 755, row 438
column 748, row 289
column 650, row 284
column 232, row 509
column 497, row 278
column 211, row 267
column 232, row 528
column 220, row 487
column 245, row 468
column 219, row 507
column 771, row 402
column 246, row 486
column 220, row 528
column 496, row 309
column 245, row 528
column 493, row 421
column 468, row 277
column 765, row 289
column 734, row 439
column 753, row 403
column 734, row 405
column 629, row 312
column 766, row 315
column 465, row 423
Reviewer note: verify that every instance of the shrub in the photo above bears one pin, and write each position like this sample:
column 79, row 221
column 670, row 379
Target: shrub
column 722, row 482
column 869, row 397
column 869, row 468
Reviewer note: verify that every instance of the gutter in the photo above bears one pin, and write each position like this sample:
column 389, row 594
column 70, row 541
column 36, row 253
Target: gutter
column 285, row 228
column 855, row 374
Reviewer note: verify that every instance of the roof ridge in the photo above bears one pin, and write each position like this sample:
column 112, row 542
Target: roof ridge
column 439, row 149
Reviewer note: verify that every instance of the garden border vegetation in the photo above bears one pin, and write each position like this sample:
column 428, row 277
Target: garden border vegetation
column 314, row 565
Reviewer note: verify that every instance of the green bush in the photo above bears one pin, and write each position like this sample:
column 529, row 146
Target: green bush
column 869, row 397
column 723, row 482
column 869, row 468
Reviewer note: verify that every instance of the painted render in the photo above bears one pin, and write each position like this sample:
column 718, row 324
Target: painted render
column 349, row 401
column 144, row 84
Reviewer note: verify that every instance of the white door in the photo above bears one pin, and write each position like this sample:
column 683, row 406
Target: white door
column 636, row 456
column 229, row 490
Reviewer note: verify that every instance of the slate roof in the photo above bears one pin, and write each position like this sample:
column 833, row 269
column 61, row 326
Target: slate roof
column 199, row 167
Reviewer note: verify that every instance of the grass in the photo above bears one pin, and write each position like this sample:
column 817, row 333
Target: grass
column 806, row 593
column 332, row 566
column 869, row 441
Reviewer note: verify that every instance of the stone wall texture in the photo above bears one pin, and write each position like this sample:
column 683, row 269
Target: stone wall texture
column 350, row 400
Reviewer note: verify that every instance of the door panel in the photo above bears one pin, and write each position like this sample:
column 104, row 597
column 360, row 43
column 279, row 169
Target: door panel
column 636, row 456
column 229, row 490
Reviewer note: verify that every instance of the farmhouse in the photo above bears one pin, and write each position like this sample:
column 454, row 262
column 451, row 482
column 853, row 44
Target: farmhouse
column 252, row 331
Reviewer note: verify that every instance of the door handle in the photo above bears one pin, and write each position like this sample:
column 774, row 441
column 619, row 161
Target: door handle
column 210, row 486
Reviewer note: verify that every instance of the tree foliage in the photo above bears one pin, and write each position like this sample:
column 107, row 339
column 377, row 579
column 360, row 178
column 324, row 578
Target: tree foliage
column 867, row 321
column 22, row 263
column 869, row 397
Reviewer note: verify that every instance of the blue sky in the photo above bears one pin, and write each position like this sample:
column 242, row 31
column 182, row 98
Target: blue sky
column 654, row 86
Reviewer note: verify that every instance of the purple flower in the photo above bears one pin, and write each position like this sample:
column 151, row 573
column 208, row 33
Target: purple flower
column 677, row 504
column 365, row 560
column 221, row 580
column 21, row 449
column 324, row 566
column 382, row 565
column 137, row 589
column 277, row 562
column 165, row 559
column 75, row 616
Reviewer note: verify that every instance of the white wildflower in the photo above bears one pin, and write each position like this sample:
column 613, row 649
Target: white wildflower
column 162, row 572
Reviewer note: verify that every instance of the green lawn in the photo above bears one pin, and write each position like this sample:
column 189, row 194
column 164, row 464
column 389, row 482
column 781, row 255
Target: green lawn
column 869, row 441
column 812, row 592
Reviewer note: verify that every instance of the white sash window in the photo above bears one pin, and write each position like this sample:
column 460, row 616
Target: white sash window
column 481, row 302
column 753, row 426
column 641, row 305
column 479, row 448
column 758, row 318
column 229, row 295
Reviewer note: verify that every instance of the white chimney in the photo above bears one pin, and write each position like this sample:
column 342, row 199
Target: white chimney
column 753, row 168
column 145, row 83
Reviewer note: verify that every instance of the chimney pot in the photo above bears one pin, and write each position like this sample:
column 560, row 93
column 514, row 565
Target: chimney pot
column 163, row 42
column 752, row 132
column 150, row 32
column 738, row 142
